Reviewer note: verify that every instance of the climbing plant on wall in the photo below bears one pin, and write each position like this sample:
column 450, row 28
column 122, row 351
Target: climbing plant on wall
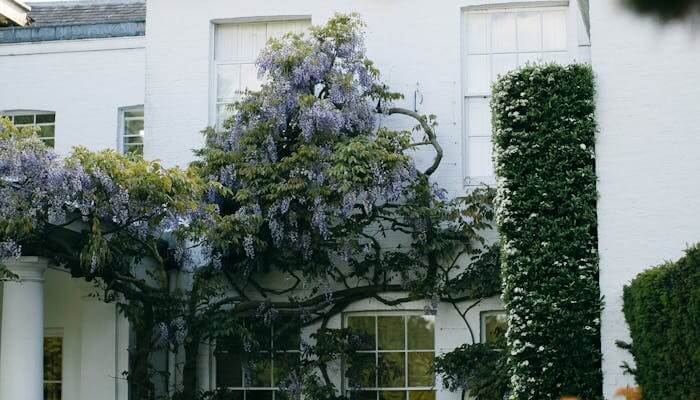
column 544, row 136
column 305, row 203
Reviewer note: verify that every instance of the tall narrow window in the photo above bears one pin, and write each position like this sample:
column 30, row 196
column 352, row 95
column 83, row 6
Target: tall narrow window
column 499, row 40
column 257, row 376
column 236, row 48
column 396, row 363
column 131, row 130
column 44, row 120
column 53, row 367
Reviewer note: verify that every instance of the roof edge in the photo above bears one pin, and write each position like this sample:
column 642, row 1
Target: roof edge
column 14, row 11
column 28, row 34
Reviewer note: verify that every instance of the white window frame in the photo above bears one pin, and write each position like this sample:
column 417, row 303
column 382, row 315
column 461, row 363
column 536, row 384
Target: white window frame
column 572, row 42
column 57, row 333
column 391, row 313
column 121, row 126
column 213, row 62
column 12, row 114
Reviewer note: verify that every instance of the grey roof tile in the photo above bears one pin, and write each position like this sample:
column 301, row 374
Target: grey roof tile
column 86, row 12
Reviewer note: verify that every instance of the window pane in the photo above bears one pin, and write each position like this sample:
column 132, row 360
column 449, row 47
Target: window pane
column 478, row 74
column 259, row 395
column 503, row 32
column 421, row 332
column 133, row 113
column 554, row 30
column 132, row 140
column 287, row 335
column 49, row 143
column 502, row 64
column 260, row 373
column 24, row 119
column 231, row 394
column 421, row 395
column 47, row 131
column 364, row 326
column 229, row 371
column 529, row 31
column 362, row 370
column 224, row 111
column 52, row 391
column 249, row 77
column 134, row 127
column 480, row 161
column 263, row 335
column 135, row 149
column 53, row 358
column 363, row 395
column 479, row 116
column 477, row 33
column 228, row 81
column 529, row 58
column 284, row 363
column 420, row 367
column 495, row 326
column 391, row 333
column 391, row 370
column 45, row 118
column 392, row 395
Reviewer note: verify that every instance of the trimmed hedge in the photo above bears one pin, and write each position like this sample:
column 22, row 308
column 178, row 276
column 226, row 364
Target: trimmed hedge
column 544, row 136
column 662, row 308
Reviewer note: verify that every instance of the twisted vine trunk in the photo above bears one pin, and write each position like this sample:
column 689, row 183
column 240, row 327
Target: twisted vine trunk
column 190, row 379
column 139, row 377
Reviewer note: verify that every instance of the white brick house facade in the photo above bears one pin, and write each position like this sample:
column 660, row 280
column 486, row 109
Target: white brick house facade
column 442, row 55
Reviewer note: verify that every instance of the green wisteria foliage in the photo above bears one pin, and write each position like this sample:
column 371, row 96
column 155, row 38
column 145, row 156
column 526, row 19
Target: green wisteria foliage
column 544, row 136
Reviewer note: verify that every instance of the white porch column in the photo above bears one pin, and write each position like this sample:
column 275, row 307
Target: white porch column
column 22, row 342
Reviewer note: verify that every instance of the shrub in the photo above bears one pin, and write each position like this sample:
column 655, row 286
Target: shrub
column 662, row 308
column 544, row 135
column 478, row 369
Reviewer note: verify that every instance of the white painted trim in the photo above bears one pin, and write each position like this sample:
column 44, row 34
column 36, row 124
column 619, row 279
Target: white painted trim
column 73, row 46
column 261, row 18
column 517, row 4
column 15, row 11
column 27, row 268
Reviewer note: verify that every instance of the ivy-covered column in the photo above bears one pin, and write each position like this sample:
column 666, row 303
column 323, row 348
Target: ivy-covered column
column 544, row 136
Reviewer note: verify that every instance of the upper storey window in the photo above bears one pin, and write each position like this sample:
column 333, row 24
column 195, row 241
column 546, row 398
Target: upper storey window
column 44, row 120
column 131, row 130
column 236, row 48
column 496, row 41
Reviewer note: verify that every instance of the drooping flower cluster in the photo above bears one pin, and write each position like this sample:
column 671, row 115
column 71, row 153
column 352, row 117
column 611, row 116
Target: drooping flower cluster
column 305, row 153
column 86, row 191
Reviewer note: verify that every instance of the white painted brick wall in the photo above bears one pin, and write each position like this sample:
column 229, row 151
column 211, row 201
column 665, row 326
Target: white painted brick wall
column 412, row 41
column 648, row 164
column 83, row 81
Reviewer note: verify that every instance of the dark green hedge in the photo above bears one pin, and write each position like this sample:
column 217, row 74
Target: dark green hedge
column 662, row 308
column 544, row 136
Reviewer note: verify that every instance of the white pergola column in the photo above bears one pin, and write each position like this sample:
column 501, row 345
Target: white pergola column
column 22, row 340
column 98, row 352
